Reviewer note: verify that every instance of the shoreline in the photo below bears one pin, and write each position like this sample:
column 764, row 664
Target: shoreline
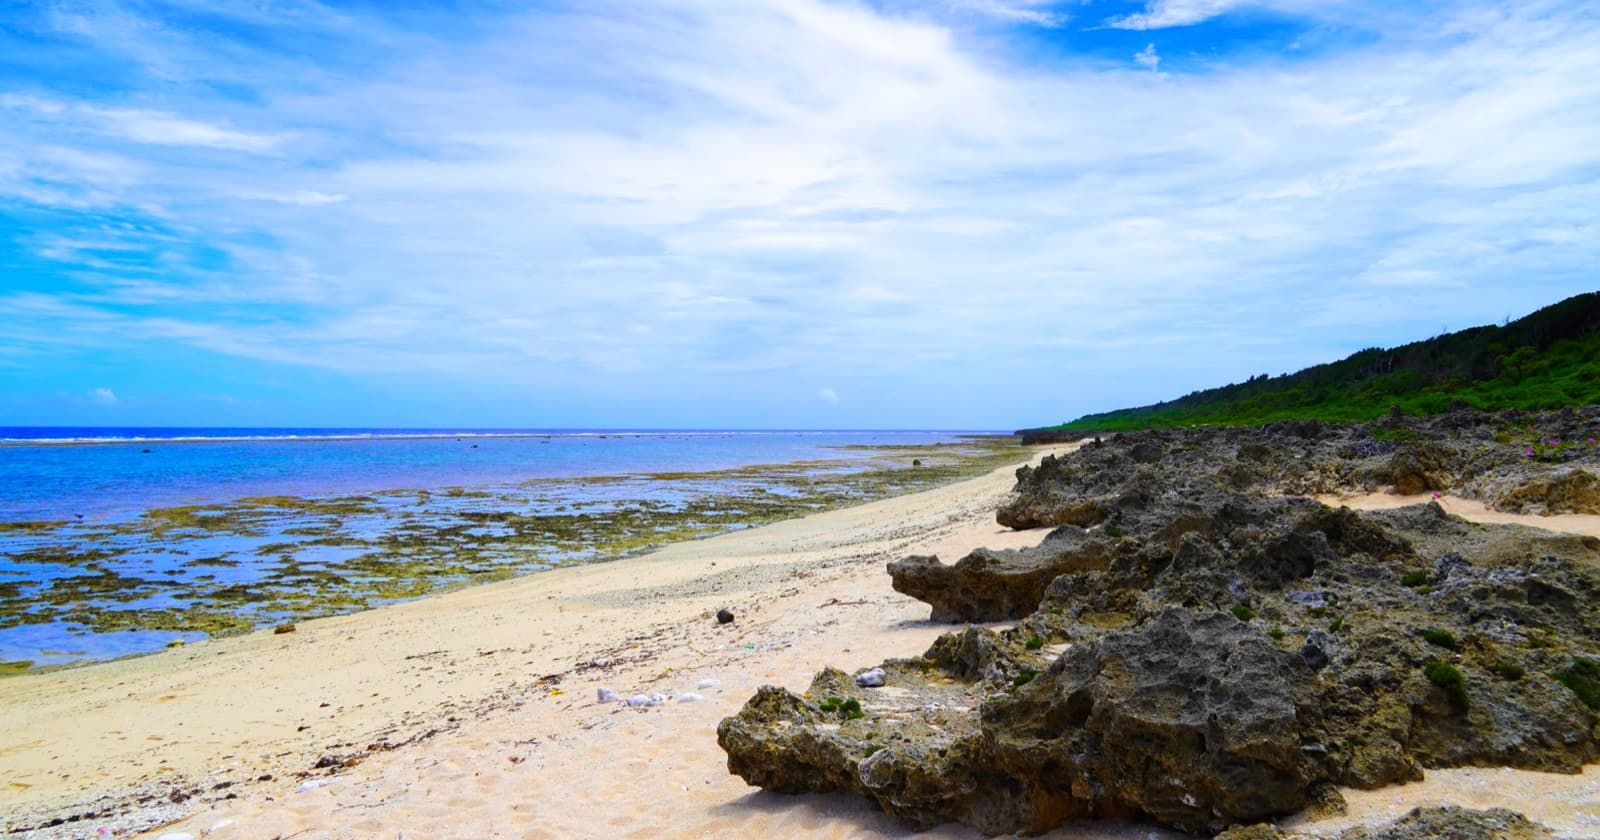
column 84, row 738
column 191, row 571
column 468, row 714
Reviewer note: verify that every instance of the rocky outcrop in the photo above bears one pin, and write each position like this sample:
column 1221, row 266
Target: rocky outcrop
column 997, row 585
column 1207, row 653
column 1447, row 823
column 1184, row 719
column 1571, row 491
column 1511, row 461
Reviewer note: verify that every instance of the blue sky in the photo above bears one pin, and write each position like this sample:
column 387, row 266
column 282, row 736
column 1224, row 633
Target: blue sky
column 786, row 213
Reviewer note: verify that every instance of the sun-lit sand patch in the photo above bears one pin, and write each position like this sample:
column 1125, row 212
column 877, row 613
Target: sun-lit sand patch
column 1471, row 510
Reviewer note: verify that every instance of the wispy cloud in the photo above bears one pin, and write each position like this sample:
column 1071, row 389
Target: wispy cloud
column 140, row 125
column 653, row 198
column 1038, row 12
column 1162, row 14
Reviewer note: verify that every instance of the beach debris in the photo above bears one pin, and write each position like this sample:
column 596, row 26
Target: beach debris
column 724, row 616
column 313, row 785
column 689, row 697
column 871, row 678
column 175, row 835
column 282, row 629
column 708, row 682
column 639, row 701
column 218, row 826
column 606, row 695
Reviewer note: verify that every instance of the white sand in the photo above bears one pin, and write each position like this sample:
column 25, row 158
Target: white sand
column 516, row 755
column 1470, row 509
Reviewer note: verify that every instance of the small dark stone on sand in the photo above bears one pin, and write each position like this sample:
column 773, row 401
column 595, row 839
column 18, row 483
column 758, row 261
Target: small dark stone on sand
column 724, row 617
column 282, row 629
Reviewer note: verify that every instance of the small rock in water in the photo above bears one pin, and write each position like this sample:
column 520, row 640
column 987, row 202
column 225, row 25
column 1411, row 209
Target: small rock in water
column 870, row 679
column 708, row 682
column 606, row 695
column 282, row 629
column 689, row 697
column 724, row 616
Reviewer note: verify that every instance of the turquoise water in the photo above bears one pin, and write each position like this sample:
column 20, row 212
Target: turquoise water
column 56, row 474
column 122, row 541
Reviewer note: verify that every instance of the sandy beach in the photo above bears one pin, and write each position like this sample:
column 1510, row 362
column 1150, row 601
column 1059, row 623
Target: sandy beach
column 474, row 714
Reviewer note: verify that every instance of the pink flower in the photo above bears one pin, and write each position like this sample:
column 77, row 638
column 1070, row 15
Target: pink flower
column 1552, row 442
column 1438, row 495
column 1530, row 452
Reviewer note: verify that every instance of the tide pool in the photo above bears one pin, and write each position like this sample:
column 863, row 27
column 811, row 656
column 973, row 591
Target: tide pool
column 107, row 549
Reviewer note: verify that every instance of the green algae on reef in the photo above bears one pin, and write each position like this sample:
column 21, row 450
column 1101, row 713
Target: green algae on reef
column 273, row 559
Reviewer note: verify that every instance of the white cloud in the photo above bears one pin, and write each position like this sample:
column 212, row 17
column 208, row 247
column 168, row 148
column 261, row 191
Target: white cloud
column 653, row 194
column 1147, row 57
column 309, row 198
column 144, row 126
column 1166, row 14
column 1037, row 12
column 829, row 396
column 103, row 396
column 1161, row 14
column 164, row 129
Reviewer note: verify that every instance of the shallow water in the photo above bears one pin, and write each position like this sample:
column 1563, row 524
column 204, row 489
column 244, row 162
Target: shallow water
column 266, row 544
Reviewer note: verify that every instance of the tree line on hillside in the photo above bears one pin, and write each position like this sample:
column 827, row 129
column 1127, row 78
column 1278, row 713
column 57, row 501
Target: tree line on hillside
column 1547, row 360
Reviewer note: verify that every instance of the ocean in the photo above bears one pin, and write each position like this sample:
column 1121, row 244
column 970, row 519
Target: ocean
column 124, row 541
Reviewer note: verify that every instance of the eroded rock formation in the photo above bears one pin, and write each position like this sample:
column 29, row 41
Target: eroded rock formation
column 1204, row 652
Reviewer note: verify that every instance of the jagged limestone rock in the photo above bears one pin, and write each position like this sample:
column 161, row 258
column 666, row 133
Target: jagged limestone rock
column 996, row 585
column 1446, row 823
column 1208, row 653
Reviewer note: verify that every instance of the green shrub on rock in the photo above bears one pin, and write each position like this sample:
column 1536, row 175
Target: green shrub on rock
column 1583, row 678
column 1440, row 638
column 1448, row 677
column 1509, row 670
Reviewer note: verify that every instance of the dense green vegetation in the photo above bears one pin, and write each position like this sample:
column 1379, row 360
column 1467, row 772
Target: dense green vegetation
column 1548, row 360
